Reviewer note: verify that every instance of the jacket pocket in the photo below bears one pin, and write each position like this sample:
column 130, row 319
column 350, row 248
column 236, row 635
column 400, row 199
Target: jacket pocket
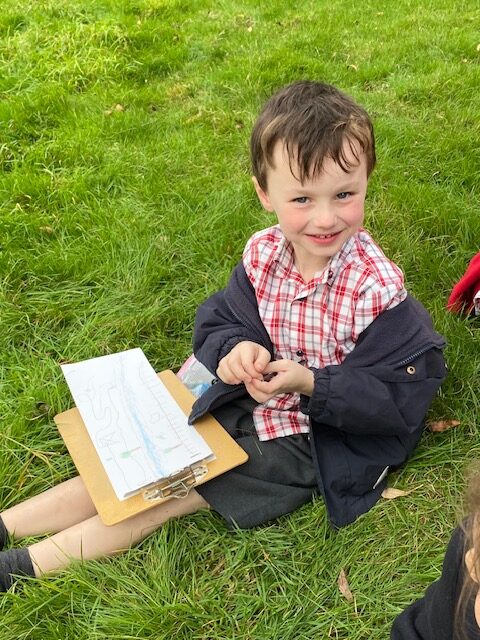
column 370, row 459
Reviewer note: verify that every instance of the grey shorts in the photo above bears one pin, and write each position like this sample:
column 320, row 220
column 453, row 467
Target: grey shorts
column 278, row 477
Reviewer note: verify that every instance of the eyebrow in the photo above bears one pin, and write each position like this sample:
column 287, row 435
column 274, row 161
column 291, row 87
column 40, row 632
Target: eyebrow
column 347, row 186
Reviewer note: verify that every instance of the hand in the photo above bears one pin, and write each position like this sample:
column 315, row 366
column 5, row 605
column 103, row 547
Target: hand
column 245, row 362
column 289, row 377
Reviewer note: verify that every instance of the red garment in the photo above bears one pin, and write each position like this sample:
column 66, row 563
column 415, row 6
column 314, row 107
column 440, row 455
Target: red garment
column 463, row 293
column 315, row 323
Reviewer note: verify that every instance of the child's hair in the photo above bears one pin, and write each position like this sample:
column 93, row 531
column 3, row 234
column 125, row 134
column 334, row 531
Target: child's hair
column 313, row 120
column 471, row 528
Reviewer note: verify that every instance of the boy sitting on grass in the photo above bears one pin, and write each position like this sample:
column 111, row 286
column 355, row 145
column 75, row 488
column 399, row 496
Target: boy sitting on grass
column 326, row 366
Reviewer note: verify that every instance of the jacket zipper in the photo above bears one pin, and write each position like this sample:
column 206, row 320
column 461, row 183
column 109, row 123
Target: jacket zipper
column 233, row 391
column 247, row 325
column 415, row 355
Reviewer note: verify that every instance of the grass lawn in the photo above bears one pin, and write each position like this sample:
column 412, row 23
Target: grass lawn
column 126, row 200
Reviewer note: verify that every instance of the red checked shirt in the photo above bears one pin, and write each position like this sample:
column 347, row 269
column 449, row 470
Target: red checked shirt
column 315, row 323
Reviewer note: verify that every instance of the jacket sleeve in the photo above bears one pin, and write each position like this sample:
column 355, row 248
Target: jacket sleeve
column 216, row 331
column 376, row 399
column 227, row 318
column 433, row 615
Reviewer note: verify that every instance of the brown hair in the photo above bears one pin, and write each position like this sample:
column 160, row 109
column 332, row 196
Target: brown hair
column 471, row 529
column 313, row 120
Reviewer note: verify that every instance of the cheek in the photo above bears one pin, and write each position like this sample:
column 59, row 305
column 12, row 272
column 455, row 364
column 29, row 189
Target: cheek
column 292, row 225
column 354, row 215
column 477, row 609
column 291, row 221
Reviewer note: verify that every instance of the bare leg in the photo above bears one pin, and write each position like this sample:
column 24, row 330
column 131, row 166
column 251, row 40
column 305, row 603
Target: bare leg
column 53, row 510
column 92, row 539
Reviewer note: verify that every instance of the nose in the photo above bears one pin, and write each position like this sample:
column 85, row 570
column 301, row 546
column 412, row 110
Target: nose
column 324, row 217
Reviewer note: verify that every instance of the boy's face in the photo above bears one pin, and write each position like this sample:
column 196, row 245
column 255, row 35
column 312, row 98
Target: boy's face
column 321, row 214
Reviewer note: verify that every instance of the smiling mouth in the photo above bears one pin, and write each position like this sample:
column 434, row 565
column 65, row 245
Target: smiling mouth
column 324, row 236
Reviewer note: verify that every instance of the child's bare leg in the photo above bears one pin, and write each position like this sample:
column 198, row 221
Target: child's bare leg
column 92, row 539
column 53, row 510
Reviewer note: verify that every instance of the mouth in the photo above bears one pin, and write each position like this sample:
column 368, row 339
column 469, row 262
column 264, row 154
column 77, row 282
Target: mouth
column 323, row 238
column 324, row 235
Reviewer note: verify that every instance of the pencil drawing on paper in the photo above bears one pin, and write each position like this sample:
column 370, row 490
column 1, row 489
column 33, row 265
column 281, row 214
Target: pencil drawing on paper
column 138, row 430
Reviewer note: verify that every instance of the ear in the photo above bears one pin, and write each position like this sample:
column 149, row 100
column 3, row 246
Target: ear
column 470, row 564
column 262, row 195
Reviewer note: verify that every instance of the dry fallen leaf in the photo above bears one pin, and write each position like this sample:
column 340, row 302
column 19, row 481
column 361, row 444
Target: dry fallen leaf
column 437, row 426
column 118, row 107
column 343, row 586
column 390, row 493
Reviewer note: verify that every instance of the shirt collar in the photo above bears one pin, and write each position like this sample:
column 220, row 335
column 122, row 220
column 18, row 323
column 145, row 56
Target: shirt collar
column 340, row 260
column 283, row 254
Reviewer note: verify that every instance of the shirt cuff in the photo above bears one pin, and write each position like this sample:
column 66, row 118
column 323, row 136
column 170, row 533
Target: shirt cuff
column 315, row 405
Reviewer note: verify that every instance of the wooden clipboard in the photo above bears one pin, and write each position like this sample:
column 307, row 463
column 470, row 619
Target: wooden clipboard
column 228, row 454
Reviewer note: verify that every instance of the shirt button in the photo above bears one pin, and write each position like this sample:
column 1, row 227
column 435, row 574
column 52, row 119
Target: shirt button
column 300, row 353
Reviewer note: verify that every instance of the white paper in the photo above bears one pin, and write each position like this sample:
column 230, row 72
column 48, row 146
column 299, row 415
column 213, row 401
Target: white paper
column 140, row 433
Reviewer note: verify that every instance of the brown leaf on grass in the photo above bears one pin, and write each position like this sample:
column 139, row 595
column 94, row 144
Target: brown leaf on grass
column 118, row 107
column 390, row 493
column 343, row 586
column 437, row 426
column 41, row 409
column 47, row 229
column 218, row 568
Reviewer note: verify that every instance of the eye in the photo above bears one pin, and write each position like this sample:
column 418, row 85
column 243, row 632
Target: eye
column 343, row 195
column 301, row 200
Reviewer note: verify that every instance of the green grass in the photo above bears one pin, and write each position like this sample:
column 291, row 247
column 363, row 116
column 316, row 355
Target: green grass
column 116, row 223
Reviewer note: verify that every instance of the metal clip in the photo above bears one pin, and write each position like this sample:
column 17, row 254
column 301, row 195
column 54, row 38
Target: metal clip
column 176, row 486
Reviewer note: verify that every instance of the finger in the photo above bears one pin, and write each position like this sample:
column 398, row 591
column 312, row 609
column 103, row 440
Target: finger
column 256, row 394
column 275, row 366
column 262, row 359
column 226, row 374
column 267, row 388
column 271, row 388
column 248, row 367
column 226, row 377
column 237, row 369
